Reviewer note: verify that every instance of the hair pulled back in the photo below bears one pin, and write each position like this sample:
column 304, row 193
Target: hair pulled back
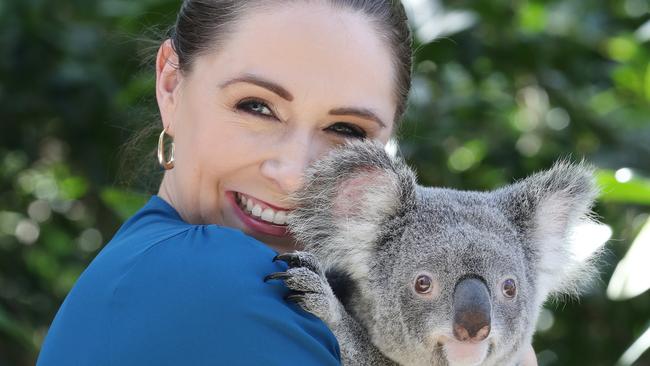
column 203, row 25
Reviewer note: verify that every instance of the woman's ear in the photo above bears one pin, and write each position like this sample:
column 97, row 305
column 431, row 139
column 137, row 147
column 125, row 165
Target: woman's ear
column 167, row 82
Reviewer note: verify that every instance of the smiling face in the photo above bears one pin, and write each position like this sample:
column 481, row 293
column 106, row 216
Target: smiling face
column 285, row 87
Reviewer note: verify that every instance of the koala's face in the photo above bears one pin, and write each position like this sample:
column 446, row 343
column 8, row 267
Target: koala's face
column 443, row 277
column 460, row 283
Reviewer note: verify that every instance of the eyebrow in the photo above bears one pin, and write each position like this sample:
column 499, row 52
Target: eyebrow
column 282, row 92
column 261, row 82
column 359, row 112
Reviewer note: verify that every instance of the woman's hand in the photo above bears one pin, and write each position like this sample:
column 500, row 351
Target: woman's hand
column 530, row 359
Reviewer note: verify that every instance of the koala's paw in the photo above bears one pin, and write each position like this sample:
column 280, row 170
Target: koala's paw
column 309, row 286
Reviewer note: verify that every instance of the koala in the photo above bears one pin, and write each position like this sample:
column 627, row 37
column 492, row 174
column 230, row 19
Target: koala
column 410, row 275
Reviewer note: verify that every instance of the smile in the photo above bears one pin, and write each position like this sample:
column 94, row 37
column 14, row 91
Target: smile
column 260, row 210
column 258, row 216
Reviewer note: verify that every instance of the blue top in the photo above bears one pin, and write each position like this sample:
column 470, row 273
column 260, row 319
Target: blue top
column 164, row 292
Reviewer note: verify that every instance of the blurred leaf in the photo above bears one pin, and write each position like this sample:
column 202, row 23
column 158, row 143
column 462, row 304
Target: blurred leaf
column 627, row 78
column 631, row 277
column 73, row 188
column 636, row 190
column 532, row 17
column 635, row 351
column 622, row 48
column 135, row 89
column 605, row 102
column 647, row 82
column 57, row 241
column 40, row 262
column 13, row 162
column 123, row 203
column 15, row 330
column 66, row 279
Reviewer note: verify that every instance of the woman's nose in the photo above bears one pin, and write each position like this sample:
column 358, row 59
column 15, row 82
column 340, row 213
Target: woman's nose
column 288, row 162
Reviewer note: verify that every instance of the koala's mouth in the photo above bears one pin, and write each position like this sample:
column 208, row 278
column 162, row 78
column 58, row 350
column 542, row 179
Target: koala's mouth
column 465, row 353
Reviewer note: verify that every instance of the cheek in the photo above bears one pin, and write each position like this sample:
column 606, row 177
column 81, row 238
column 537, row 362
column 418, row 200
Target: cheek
column 218, row 139
column 208, row 131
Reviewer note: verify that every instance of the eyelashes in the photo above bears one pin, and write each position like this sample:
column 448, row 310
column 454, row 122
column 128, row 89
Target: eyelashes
column 255, row 107
column 348, row 129
column 259, row 108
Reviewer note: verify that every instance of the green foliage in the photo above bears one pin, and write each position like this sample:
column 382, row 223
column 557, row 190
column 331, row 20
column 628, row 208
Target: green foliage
column 507, row 88
column 123, row 203
column 636, row 190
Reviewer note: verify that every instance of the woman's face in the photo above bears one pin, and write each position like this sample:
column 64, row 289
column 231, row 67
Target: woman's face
column 287, row 86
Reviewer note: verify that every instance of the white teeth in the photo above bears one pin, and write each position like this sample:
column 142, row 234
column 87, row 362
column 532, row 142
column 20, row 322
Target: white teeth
column 267, row 215
column 257, row 211
column 280, row 218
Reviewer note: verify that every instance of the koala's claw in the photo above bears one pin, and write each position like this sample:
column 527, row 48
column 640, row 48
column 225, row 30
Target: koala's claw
column 290, row 258
column 309, row 287
column 300, row 259
column 277, row 275
column 297, row 296
column 294, row 298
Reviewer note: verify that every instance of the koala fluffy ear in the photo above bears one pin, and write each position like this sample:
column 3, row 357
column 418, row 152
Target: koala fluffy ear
column 546, row 208
column 346, row 198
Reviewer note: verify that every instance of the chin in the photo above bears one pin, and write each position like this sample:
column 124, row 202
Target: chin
column 466, row 354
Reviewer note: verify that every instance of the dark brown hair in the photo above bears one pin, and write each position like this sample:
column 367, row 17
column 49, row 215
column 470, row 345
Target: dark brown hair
column 202, row 26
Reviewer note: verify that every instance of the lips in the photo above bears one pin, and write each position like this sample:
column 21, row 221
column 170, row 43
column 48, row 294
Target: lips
column 261, row 210
column 262, row 217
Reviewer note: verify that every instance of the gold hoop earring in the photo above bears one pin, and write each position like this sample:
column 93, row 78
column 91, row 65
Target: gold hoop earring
column 169, row 164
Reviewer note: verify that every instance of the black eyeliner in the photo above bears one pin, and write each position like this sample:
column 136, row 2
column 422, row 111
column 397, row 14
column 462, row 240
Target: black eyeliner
column 239, row 107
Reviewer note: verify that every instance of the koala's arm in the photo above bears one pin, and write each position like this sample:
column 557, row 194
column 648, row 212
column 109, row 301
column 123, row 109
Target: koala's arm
column 313, row 293
column 356, row 348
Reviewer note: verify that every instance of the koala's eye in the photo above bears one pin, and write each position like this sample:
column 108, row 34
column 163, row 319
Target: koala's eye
column 423, row 284
column 509, row 288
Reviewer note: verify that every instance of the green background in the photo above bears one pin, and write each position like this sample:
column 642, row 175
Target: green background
column 504, row 89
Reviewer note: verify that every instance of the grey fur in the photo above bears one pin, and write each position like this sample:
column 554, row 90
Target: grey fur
column 362, row 216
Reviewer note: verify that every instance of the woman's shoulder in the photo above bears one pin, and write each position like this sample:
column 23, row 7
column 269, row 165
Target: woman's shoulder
column 207, row 283
column 157, row 246
column 198, row 252
column 157, row 236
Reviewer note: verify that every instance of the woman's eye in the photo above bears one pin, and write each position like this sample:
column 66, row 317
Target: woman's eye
column 349, row 130
column 256, row 107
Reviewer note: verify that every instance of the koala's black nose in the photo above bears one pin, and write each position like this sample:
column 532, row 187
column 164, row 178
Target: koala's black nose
column 472, row 310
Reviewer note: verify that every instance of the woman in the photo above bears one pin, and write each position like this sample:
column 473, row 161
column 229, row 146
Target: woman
column 250, row 92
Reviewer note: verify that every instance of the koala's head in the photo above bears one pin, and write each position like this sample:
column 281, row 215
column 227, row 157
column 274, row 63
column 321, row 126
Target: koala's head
column 441, row 276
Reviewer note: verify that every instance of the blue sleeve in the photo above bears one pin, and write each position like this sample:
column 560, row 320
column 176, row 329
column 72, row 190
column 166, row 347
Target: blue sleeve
column 199, row 298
